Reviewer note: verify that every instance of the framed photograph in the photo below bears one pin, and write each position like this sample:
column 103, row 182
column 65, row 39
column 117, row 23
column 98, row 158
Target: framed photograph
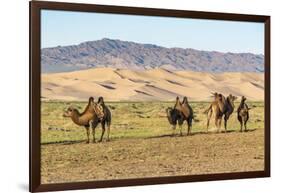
column 123, row 96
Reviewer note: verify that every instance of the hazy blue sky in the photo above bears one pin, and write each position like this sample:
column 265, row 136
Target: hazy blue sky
column 68, row 28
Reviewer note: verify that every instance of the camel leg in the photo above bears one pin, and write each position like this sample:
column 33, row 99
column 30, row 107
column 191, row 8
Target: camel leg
column 108, row 131
column 208, row 119
column 245, row 126
column 225, row 123
column 88, row 133
column 94, row 125
column 180, row 126
column 103, row 130
column 216, row 123
column 188, row 129
column 189, row 126
column 180, row 122
column 241, row 126
column 220, row 124
column 173, row 128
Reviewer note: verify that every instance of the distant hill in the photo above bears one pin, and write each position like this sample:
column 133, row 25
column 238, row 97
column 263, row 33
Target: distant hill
column 136, row 56
column 149, row 85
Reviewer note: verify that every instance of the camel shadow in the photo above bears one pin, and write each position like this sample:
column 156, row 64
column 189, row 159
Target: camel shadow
column 184, row 134
column 221, row 132
column 70, row 142
column 162, row 136
column 249, row 130
column 199, row 133
column 64, row 142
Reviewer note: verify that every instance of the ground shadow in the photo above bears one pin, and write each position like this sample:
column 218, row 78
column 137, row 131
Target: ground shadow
column 198, row 133
column 70, row 142
column 160, row 136
column 65, row 142
column 249, row 130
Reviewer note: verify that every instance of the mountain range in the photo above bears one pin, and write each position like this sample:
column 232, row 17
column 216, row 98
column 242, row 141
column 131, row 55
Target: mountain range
column 136, row 56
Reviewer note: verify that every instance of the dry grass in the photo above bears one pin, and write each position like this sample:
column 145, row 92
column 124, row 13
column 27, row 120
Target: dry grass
column 141, row 144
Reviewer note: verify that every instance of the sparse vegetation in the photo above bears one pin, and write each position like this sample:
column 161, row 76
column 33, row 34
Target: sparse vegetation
column 141, row 145
column 135, row 120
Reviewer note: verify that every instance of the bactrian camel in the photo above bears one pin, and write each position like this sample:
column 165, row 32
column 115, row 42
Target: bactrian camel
column 221, row 107
column 181, row 112
column 243, row 114
column 93, row 114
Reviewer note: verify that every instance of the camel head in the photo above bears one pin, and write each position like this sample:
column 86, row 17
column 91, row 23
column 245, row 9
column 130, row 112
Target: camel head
column 214, row 94
column 217, row 96
column 168, row 112
column 243, row 99
column 70, row 111
column 171, row 115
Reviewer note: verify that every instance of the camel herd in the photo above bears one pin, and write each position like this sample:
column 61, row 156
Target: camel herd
column 221, row 107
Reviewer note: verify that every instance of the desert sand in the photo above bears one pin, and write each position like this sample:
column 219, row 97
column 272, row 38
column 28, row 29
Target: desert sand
column 150, row 85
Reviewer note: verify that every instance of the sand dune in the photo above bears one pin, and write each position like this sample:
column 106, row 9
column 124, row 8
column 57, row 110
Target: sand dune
column 156, row 84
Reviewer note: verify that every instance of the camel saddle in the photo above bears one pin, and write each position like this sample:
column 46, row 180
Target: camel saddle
column 98, row 108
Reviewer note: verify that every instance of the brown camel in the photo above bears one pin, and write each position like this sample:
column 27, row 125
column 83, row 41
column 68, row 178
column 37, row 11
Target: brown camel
column 221, row 107
column 186, row 112
column 92, row 114
column 243, row 114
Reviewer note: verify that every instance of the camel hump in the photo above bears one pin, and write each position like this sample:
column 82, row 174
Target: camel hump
column 186, row 110
column 185, row 101
column 91, row 99
column 183, row 107
column 178, row 104
column 101, row 101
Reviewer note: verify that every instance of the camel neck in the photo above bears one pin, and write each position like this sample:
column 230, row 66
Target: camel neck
column 75, row 118
column 242, row 103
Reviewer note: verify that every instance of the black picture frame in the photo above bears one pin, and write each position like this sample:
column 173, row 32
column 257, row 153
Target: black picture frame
column 35, row 83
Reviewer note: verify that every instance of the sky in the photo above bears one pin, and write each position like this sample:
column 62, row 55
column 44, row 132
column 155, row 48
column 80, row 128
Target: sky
column 61, row 28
